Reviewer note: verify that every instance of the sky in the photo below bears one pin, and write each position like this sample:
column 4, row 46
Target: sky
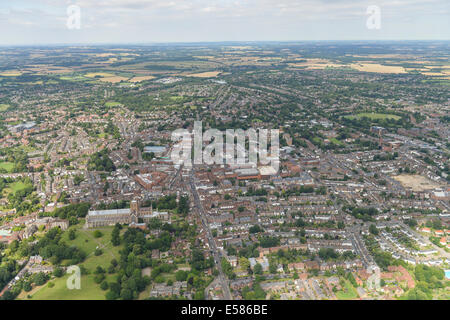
column 33, row 22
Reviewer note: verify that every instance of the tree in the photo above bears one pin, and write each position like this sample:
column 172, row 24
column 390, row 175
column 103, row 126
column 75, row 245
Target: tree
column 104, row 285
column 272, row 266
column 373, row 229
column 97, row 234
column 40, row 278
column 59, row 272
column 27, row 286
column 99, row 270
column 72, row 234
column 199, row 295
column 181, row 275
column 126, row 294
column 111, row 295
column 227, row 268
column 183, row 205
column 255, row 229
column 244, row 263
column 99, row 278
column 258, row 269
column 115, row 235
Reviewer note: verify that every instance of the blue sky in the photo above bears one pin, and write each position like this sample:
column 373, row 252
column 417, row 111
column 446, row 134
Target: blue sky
column 145, row 21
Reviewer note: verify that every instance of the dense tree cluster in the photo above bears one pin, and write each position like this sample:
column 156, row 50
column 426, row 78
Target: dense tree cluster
column 267, row 242
column 100, row 161
column 427, row 279
column 365, row 214
column 71, row 212
column 51, row 247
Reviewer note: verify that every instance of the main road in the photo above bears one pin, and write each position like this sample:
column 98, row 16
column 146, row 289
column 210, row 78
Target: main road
column 212, row 245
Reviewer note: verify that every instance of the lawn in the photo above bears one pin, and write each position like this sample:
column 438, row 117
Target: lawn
column 348, row 293
column 8, row 166
column 88, row 243
column 18, row 185
column 336, row 141
column 89, row 289
column 14, row 187
column 374, row 116
column 4, row 107
column 112, row 104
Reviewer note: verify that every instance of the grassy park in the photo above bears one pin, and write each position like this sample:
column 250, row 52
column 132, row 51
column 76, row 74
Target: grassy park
column 90, row 290
column 374, row 116
column 8, row 166
column 348, row 292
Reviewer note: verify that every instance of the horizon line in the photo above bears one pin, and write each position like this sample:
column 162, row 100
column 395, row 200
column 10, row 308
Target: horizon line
column 216, row 42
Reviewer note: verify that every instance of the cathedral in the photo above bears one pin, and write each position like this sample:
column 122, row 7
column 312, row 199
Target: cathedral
column 134, row 214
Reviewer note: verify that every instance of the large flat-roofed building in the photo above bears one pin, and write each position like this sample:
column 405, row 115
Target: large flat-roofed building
column 101, row 218
column 247, row 174
column 149, row 180
column 267, row 171
column 158, row 151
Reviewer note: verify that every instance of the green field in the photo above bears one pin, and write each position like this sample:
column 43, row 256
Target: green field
column 14, row 187
column 72, row 78
column 336, row 141
column 8, row 166
column 89, row 289
column 177, row 98
column 112, row 104
column 348, row 293
column 374, row 116
column 4, row 107
column 19, row 185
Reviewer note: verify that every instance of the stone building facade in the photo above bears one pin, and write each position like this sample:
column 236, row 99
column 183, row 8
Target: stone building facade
column 101, row 218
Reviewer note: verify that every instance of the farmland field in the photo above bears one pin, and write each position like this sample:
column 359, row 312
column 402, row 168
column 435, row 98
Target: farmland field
column 141, row 78
column 211, row 74
column 379, row 68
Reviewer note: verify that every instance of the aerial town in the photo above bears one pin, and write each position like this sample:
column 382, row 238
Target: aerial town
column 359, row 208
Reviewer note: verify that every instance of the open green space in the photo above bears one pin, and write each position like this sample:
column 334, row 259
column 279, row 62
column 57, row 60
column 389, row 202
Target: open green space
column 112, row 104
column 8, row 166
column 4, row 107
column 18, row 185
column 374, row 116
column 347, row 293
column 90, row 290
